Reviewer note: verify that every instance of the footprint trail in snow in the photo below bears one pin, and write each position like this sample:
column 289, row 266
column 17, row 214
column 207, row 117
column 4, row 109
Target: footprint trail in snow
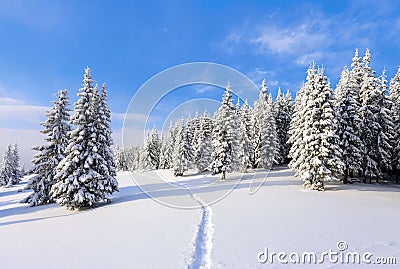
column 201, row 254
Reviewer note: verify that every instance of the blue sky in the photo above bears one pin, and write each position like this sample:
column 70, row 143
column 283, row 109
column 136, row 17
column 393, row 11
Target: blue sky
column 45, row 46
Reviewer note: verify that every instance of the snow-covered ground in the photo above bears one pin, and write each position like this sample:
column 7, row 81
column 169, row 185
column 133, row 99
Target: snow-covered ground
column 136, row 231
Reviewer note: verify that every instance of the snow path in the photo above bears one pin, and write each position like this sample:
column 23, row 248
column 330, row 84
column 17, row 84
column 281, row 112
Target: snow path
column 201, row 257
column 203, row 244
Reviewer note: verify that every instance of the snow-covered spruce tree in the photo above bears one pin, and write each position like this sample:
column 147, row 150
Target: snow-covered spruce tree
column 23, row 171
column 245, row 139
column 269, row 138
column 203, row 147
column 265, row 138
column 225, row 134
column 370, row 128
column 192, row 130
column 289, row 109
column 164, row 163
column 49, row 155
column 7, row 167
column 152, row 150
column 195, row 130
column 258, row 111
column 357, row 72
column 274, row 144
column 182, row 155
column 316, row 158
column 297, row 124
column 284, row 109
column 167, row 148
column 120, row 159
column 133, row 158
column 16, row 175
column 237, row 108
column 143, row 160
column 82, row 176
column 105, row 139
column 347, row 107
column 395, row 113
column 386, row 130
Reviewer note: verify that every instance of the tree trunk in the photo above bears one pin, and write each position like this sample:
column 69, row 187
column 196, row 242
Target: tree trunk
column 345, row 176
column 223, row 175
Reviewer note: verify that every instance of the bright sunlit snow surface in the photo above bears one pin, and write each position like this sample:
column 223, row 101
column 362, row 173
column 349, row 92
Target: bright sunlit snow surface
column 134, row 231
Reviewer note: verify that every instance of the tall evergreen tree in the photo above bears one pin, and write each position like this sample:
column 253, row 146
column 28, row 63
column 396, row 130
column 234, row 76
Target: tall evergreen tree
column 203, row 149
column 269, row 150
column 395, row 112
column 152, row 150
column 297, row 124
column 45, row 162
column 316, row 157
column 224, row 157
column 347, row 107
column 16, row 175
column 245, row 139
column 182, row 155
column 104, row 142
column 82, row 176
column 163, row 148
column 195, row 131
column 283, row 118
column 258, row 121
column 105, row 120
column 167, row 148
column 7, row 167
column 265, row 139
column 386, row 130
column 370, row 128
column 120, row 158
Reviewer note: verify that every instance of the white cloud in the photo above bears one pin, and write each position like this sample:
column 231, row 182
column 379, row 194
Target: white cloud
column 10, row 101
column 201, row 88
column 129, row 116
column 257, row 75
column 22, row 113
column 288, row 40
column 306, row 59
column 306, row 33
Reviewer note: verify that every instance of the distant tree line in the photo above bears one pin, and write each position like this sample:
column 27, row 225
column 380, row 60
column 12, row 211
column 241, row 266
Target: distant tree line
column 235, row 138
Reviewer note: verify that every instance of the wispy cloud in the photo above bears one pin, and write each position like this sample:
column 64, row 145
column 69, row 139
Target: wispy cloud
column 129, row 116
column 203, row 88
column 10, row 101
column 288, row 40
column 307, row 33
column 258, row 74
column 12, row 115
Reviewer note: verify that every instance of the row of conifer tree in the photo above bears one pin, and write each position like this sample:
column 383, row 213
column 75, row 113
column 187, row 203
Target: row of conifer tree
column 326, row 134
column 236, row 138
